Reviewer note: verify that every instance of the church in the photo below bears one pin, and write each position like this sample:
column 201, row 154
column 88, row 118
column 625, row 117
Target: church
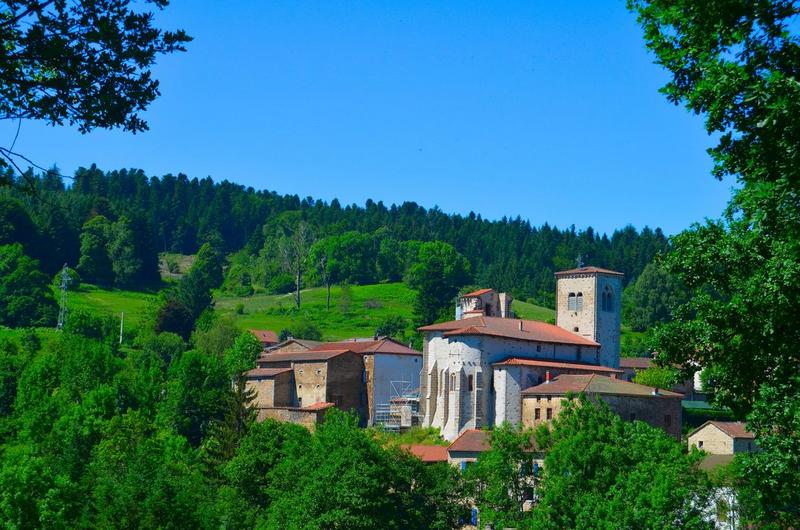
column 475, row 368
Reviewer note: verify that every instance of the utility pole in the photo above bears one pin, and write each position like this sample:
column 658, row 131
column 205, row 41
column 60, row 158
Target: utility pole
column 62, row 309
column 121, row 325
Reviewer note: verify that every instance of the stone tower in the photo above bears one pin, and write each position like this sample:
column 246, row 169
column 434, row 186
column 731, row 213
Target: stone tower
column 588, row 303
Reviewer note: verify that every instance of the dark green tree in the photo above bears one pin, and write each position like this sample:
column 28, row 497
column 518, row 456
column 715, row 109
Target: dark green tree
column 436, row 276
column 736, row 64
column 95, row 265
column 650, row 299
column 26, row 298
column 603, row 472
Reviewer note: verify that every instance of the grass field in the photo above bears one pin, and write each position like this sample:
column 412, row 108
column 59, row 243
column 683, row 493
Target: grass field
column 111, row 301
column 355, row 310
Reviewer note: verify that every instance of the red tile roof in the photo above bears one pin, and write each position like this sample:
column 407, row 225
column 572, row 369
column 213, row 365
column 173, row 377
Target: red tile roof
column 474, row 294
column 531, row 330
column 427, row 453
column 585, row 270
column 566, row 365
column 734, row 429
column 301, row 356
column 265, row 372
column 366, row 346
column 471, row 441
column 265, row 335
column 637, row 363
column 595, row 384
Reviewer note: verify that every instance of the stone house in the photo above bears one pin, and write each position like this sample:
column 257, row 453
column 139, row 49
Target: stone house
column 293, row 345
column 659, row 408
column 272, row 386
column 484, row 302
column 723, row 438
column 331, row 376
column 633, row 365
column 390, row 371
column 464, row 384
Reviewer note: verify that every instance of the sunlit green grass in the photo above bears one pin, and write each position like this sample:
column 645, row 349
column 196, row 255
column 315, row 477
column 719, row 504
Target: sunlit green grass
column 111, row 302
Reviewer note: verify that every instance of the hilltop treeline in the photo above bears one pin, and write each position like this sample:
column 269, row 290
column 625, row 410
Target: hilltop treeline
column 178, row 214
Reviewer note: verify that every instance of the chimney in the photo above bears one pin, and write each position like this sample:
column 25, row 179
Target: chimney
column 547, row 377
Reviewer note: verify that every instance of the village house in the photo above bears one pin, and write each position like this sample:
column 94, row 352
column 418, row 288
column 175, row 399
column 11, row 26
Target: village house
column 723, row 438
column 363, row 375
column 465, row 383
column 307, row 380
column 266, row 337
column 631, row 366
column 659, row 408
column 391, row 372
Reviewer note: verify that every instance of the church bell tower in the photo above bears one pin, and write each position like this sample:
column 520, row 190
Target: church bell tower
column 588, row 303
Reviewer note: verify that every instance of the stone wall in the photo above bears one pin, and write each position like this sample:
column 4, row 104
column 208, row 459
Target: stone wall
column 310, row 382
column 306, row 418
column 344, row 383
column 272, row 391
column 652, row 410
column 592, row 321
column 713, row 440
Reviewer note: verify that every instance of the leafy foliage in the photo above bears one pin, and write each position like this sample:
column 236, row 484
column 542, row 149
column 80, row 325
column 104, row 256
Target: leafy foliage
column 603, row 472
column 25, row 295
column 650, row 299
column 437, row 275
column 736, row 63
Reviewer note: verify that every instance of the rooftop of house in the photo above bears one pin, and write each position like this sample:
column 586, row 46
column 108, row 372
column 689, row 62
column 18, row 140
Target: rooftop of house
column 365, row 346
column 477, row 293
column 303, row 343
column 564, row 365
column 636, row 363
column 588, row 270
column 265, row 372
column 734, row 429
column 510, row 328
column 319, row 406
column 427, row 453
column 301, row 356
column 471, row 441
column 265, row 335
column 478, row 441
column 596, row 384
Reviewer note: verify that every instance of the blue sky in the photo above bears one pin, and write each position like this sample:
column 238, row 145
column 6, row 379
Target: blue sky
column 547, row 110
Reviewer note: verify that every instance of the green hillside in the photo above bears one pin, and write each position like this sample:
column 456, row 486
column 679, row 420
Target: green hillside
column 355, row 310
column 111, row 301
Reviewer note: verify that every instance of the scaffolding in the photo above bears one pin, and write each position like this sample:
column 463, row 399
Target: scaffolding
column 401, row 412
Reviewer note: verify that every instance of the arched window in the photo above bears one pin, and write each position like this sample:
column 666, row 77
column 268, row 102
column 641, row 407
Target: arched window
column 579, row 302
column 571, row 303
column 607, row 300
column 469, row 383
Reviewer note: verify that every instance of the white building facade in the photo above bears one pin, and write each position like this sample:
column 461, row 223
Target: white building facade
column 474, row 368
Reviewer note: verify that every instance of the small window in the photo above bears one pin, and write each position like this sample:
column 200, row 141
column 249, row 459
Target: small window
column 299, row 402
column 549, row 414
column 538, row 347
column 319, row 371
column 538, row 399
column 299, row 386
column 571, row 303
column 317, row 386
column 301, row 371
column 607, row 299
column 537, row 414
column 579, row 302
column 700, row 444
column 452, row 381
column 469, row 383
column 576, row 329
column 549, row 398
